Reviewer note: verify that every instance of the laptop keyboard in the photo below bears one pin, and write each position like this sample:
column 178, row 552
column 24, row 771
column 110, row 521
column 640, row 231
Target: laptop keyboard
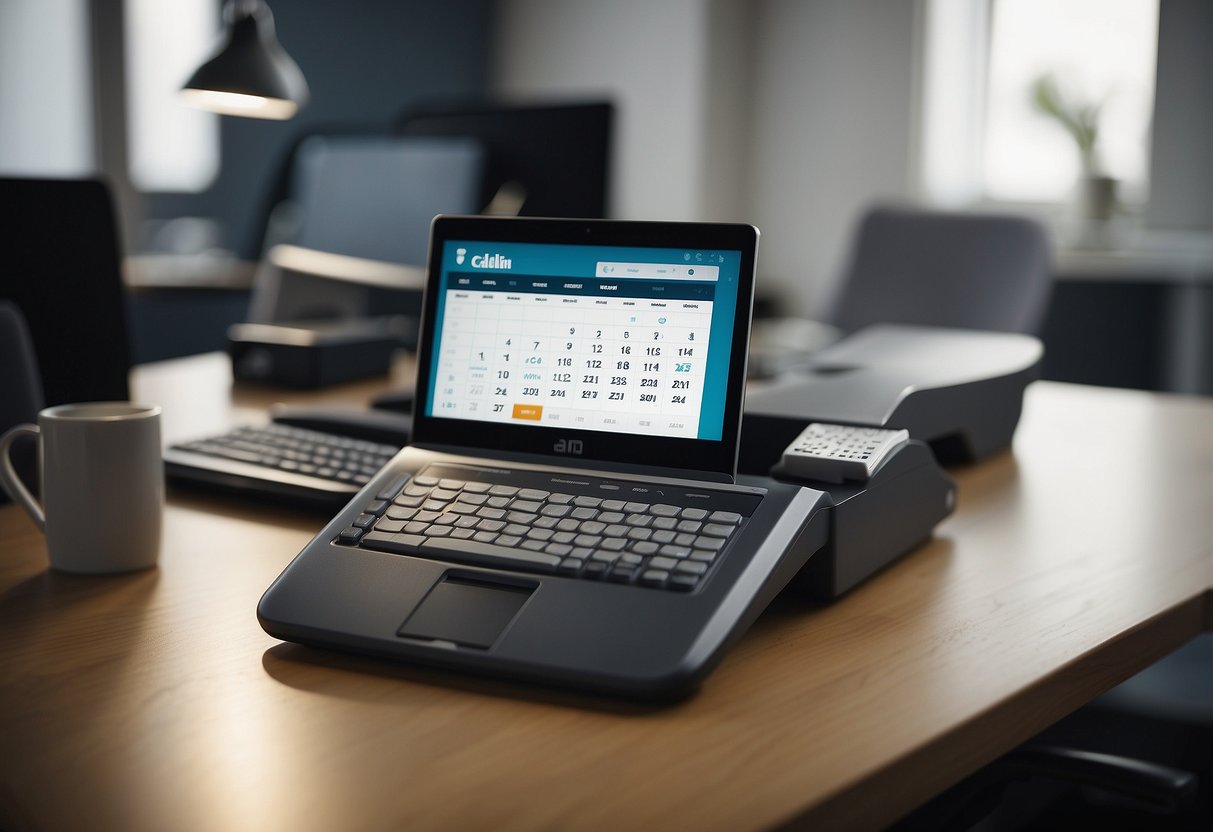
column 587, row 529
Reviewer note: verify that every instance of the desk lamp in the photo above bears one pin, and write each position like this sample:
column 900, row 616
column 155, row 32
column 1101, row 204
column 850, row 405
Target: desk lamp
column 251, row 75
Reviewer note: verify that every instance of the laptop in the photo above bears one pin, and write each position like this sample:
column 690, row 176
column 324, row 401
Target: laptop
column 569, row 511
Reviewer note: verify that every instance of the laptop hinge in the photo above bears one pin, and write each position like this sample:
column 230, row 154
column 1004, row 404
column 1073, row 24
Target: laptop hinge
column 595, row 465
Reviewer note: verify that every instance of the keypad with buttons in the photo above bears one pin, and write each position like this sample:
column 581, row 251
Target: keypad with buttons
column 578, row 532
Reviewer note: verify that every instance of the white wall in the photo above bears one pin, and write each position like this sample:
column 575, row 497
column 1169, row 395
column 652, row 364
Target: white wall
column 46, row 94
column 833, row 91
column 788, row 114
column 646, row 56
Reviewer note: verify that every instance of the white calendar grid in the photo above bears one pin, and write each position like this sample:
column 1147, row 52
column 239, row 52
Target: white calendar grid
column 633, row 365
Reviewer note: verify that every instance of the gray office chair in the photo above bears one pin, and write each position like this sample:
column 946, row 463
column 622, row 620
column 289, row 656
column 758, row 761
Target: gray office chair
column 966, row 270
column 930, row 268
column 993, row 272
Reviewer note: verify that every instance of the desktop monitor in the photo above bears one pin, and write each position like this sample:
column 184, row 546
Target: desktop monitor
column 359, row 217
column 374, row 196
column 541, row 160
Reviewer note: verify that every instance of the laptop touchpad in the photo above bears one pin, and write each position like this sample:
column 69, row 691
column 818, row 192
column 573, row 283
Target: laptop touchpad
column 467, row 613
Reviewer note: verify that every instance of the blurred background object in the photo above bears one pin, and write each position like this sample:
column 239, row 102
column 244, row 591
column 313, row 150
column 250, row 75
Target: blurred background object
column 65, row 335
column 795, row 116
column 251, row 75
column 1097, row 201
column 799, row 117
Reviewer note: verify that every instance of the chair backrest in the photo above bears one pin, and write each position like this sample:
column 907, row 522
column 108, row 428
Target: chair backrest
column 966, row 270
column 62, row 268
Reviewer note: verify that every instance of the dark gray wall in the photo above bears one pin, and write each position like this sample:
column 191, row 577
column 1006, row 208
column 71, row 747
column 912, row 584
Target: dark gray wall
column 366, row 61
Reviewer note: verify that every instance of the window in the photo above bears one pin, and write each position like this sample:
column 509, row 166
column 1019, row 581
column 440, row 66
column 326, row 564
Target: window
column 46, row 95
column 982, row 137
column 171, row 146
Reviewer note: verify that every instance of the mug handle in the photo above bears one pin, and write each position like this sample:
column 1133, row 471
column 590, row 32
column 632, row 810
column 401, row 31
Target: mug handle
column 8, row 474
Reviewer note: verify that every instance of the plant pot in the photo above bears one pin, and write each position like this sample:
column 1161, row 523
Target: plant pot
column 1097, row 199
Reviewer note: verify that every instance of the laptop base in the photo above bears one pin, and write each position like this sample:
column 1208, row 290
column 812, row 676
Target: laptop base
column 594, row 635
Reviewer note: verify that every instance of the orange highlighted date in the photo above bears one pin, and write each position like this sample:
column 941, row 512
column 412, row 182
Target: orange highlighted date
column 532, row 412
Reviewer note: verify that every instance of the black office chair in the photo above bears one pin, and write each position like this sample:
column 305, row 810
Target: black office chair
column 63, row 335
column 62, row 268
column 935, row 268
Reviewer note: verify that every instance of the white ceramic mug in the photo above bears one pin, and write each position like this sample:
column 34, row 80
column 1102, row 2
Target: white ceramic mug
column 102, row 484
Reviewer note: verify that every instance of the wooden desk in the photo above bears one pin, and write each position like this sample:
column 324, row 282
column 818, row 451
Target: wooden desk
column 154, row 701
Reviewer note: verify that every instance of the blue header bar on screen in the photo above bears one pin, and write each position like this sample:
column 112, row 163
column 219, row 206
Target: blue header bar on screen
column 584, row 261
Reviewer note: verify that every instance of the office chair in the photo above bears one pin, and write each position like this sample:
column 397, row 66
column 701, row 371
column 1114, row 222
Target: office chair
column 63, row 335
column 1138, row 757
column 966, row 270
column 981, row 271
column 62, row 269
column 930, row 268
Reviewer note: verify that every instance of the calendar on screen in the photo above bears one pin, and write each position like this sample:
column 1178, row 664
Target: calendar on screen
column 584, row 337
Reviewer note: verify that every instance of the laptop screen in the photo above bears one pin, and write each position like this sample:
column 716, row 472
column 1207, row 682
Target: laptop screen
column 600, row 334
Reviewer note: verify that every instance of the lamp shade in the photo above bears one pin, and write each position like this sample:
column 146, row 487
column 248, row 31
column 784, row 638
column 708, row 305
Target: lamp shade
column 251, row 75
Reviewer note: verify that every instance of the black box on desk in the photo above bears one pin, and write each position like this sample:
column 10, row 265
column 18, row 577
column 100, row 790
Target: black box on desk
column 308, row 356
column 874, row 523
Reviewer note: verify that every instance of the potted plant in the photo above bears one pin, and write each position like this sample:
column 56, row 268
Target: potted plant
column 1097, row 190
